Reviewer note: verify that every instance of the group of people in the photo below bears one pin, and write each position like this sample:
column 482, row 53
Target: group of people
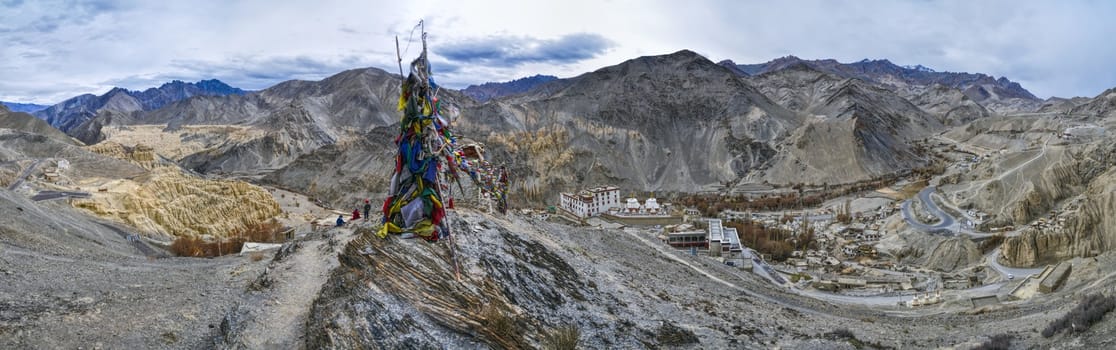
column 356, row 214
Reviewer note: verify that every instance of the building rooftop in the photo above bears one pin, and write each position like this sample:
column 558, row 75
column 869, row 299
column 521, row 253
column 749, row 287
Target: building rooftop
column 604, row 188
column 716, row 232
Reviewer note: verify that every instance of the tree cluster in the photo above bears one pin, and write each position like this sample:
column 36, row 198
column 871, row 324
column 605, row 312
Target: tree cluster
column 776, row 242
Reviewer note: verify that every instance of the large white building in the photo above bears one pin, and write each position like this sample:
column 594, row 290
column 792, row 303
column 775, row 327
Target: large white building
column 591, row 202
column 722, row 239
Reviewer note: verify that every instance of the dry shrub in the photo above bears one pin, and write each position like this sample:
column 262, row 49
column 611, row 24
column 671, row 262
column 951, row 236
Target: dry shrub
column 563, row 338
column 499, row 323
column 997, row 342
column 256, row 256
column 270, row 231
column 1090, row 310
column 669, row 334
column 197, row 247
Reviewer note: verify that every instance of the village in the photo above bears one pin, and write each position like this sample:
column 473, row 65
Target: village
column 830, row 250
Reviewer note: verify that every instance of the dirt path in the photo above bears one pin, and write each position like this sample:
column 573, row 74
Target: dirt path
column 275, row 318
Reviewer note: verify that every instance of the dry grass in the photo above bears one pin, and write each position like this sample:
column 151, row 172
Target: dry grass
column 498, row 322
column 270, row 231
column 256, row 256
column 562, row 338
column 911, row 189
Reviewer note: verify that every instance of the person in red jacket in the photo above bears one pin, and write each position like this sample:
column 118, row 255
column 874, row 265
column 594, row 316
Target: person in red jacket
column 356, row 214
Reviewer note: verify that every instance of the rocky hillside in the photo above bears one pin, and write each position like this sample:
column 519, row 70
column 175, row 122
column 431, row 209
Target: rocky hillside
column 28, row 123
column 20, row 150
column 1102, row 106
column 526, row 283
column 488, row 91
column 867, row 130
column 628, row 125
column 71, row 113
column 288, row 120
column 671, row 122
column 134, row 186
column 997, row 94
column 623, row 125
column 345, row 173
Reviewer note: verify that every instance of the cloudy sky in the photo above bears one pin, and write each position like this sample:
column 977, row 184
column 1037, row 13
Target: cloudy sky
column 53, row 50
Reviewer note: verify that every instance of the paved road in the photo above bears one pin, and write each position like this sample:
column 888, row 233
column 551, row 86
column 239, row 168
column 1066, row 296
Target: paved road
column 993, row 261
column 945, row 223
column 948, row 223
column 848, row 299
column 19, row 181
column 50, row 195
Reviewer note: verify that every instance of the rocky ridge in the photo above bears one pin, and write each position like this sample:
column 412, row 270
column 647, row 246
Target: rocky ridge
column 488, row 91
column 998, row 94
column 71, row 113
column 28, row 123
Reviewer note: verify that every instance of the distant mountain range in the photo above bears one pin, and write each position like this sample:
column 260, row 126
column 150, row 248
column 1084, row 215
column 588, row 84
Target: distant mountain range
column 675, row 122
column 1000, row 94
column 73, row 112
column 488, row 91
column 23, row 107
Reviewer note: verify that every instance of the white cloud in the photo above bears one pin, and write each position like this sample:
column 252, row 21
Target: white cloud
column 58, row 49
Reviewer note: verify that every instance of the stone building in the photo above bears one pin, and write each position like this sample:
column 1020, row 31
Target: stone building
column 590, row 202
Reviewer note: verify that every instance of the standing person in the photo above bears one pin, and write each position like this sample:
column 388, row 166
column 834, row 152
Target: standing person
column 367, row 208
column 356, row 214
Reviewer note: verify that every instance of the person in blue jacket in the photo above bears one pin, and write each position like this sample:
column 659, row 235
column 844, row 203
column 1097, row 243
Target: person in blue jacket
column 340, row 220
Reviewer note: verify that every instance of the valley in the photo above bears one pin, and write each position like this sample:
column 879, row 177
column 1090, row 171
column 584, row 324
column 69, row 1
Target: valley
column 819, row 204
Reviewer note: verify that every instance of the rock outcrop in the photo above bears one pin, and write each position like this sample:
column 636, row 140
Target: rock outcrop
column 168, row 202
column 1088, row 231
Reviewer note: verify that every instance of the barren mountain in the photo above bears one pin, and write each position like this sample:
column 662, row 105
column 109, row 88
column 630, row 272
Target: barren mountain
column 997, row 94
column 488, row 91
column 867, row 130
column 671, row 122
column 73, row 112
column 624, row 124
column 167, row 202
column 1062, row 105
column 675, row 122
column 23, row 107
column 287, row 120
column 1102, row 106
column 28, row 123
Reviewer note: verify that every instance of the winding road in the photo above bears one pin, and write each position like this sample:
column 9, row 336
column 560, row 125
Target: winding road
column 946, row 225
column 19, row 181
column 993, row 261
column 945, row 221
